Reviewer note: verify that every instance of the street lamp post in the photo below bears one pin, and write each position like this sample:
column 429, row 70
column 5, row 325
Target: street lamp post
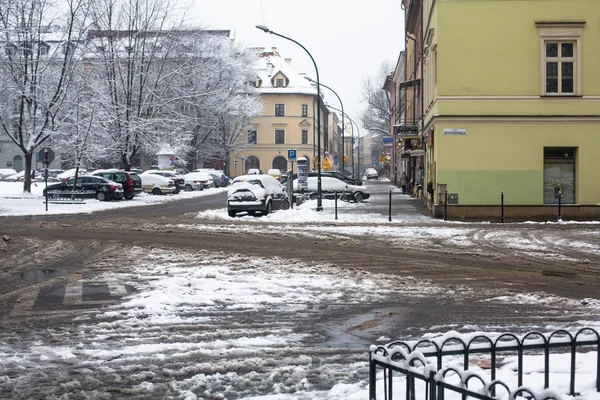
column 319, row 192
column 342, row 104
column 352, row 123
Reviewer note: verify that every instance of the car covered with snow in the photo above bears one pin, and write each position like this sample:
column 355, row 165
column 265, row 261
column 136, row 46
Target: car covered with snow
column 256, row 193
column 6, row 172
column 177, row 178
column 371, row 173
column 330, row 186
column 198, row 181
column 157, row 184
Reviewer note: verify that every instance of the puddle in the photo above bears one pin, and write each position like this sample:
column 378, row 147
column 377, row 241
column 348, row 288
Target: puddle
column 42, row 275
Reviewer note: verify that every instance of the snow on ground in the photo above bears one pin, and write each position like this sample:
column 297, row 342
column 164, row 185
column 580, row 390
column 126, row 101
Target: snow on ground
column 215, row 326
column 14, row 202
column 212, row 326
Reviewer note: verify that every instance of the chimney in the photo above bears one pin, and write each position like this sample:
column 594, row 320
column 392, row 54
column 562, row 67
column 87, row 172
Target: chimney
column 270, row 68
column 288, row 61
column 274, row 50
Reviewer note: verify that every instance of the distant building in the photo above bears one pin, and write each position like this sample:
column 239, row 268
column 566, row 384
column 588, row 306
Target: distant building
column 288, row 119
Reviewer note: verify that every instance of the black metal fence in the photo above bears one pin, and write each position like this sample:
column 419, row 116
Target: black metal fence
column 412, row 361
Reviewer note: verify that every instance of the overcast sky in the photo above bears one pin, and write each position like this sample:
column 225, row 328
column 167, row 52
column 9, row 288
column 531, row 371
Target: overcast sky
column 348, row 39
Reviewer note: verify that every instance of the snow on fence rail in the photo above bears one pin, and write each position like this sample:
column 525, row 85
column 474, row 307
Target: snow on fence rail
column 410, row 360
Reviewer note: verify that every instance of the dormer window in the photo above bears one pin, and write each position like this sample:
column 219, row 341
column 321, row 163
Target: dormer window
column 279, row 82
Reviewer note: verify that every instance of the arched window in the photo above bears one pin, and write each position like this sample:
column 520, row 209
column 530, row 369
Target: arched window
column 280, row 163
column 251, row 162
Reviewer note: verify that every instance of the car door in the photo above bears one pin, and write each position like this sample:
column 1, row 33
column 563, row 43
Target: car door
column 91, row 185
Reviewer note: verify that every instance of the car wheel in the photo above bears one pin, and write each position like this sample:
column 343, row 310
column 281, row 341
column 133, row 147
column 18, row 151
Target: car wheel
column 101, row 196
column 188, row 188
column 156, row 192
column 129, row 197
column 358, row 197
column 231, row 213
column 286, row 205
column 267, row 210
column 313, row 196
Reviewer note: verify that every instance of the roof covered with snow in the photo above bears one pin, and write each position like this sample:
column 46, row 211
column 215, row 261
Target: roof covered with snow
column 271, row 66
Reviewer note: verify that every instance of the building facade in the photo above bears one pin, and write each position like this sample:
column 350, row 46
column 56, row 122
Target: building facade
column 511, row 100
column 288, row 119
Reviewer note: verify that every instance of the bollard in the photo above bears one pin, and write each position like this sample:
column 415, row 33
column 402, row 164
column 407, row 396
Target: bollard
column 446, row 206
column 559, row 201
column 502, row 205
column 390, row 208
column 336, row 197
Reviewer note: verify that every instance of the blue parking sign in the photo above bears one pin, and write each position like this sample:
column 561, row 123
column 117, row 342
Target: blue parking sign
column 291, row 154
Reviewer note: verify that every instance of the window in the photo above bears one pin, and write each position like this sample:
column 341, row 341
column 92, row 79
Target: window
column 279, row 136
column 44, row 49
column 279, row 110
column 252, row 137
column 279, row 82
column 304, row 137
column 561, row 68
column 305, row 110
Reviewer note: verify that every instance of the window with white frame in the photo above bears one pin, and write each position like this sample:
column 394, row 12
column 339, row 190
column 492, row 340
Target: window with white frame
column 279, row 110
column 279, row 136
column 305, row 110
column 252, row 137
column 561, row 66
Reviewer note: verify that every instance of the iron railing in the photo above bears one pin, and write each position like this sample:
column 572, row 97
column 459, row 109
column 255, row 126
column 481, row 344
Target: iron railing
column 405, row 358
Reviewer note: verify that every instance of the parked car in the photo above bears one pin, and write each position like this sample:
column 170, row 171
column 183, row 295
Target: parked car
column 371, row 173
column 274, row 172
column 253, row 171
column 198, row 181
column 219, row 180
column 256, row 193
column 20, row 176
column 87, row 187
column 156, row 184
column 178, row 179
column 330, row 185
column 130, row 186
column 70, row 173
column 6, row 172
column 331, row 174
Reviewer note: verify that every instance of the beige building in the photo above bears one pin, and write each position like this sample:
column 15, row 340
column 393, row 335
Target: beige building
column 288, row 119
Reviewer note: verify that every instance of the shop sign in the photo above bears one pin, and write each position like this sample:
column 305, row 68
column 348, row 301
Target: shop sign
column 455, row 131
column 417, row 152
column 406, row 131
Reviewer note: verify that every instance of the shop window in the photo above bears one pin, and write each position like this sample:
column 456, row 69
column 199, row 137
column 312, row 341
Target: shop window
column 559, row 175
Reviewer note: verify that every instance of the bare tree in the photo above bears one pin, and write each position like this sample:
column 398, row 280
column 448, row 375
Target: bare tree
column 36, row 67
column 376, row 117
column 135, row 54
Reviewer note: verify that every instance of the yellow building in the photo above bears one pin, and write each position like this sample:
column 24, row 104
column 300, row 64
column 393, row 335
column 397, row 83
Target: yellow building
column 288, row 119
column 511, row 99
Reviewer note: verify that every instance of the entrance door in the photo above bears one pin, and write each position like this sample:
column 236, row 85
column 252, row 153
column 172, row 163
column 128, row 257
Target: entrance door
column 559, row 174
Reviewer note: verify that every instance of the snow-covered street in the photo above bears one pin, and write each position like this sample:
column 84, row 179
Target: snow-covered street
column 210, row 307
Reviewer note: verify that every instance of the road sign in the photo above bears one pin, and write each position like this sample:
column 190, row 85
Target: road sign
column 387, row 140
column 326, row 164
column 47, row 155
column 291, row 154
